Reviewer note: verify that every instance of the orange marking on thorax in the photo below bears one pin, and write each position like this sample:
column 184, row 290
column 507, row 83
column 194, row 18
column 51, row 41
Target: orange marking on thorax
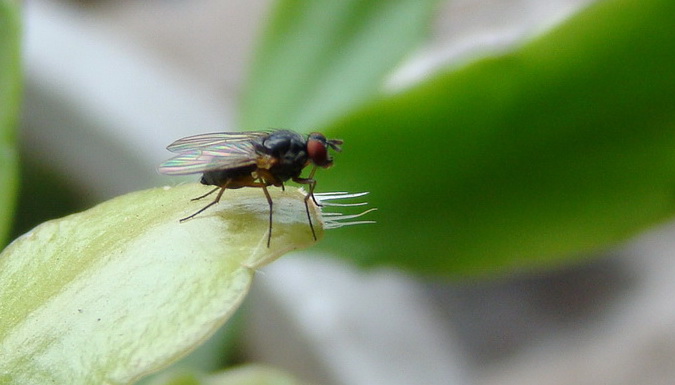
column 265, row 162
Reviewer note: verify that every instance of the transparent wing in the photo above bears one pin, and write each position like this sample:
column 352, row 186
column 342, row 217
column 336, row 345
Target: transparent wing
column 220, row 155
column 214, row 140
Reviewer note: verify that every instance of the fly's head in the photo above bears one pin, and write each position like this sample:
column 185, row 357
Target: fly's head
column 317, row 149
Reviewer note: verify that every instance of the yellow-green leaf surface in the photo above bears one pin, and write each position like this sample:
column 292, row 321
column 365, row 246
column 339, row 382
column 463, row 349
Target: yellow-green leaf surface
column 10, row 90
column 122, row 289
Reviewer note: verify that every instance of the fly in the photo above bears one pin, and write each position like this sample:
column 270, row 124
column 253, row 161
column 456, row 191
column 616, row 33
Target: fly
column 232, row 160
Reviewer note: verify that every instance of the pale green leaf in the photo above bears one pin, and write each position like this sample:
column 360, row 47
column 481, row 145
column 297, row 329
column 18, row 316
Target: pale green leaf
column 123, row 289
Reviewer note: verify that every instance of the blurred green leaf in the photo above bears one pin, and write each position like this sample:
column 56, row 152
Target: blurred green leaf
column 524, row 160
column 319, row 59
column 45, row 194
column 123, row 289
column 185, row 377
column 10, row 91
column 252, row 375
column 243, row 375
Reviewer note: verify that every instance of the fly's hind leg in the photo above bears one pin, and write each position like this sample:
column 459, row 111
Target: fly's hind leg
column 205, row 195
column 220, row 194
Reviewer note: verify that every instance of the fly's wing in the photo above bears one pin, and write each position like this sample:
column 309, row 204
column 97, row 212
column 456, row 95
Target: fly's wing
column 214, row 140
column 208, row 152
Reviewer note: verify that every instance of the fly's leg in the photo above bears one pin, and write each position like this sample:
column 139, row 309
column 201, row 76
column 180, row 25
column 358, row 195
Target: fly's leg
column 264, row 179
column 312, row 183
column 220, row 194
column 205, row 195
column 269, row 200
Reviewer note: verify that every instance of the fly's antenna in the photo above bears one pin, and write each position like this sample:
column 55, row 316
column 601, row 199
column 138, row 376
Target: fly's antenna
column 335, row 144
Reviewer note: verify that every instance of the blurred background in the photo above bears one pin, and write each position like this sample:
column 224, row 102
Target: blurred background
column 110, row 84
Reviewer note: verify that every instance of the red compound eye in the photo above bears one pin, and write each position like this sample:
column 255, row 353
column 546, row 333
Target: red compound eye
column 316, row 150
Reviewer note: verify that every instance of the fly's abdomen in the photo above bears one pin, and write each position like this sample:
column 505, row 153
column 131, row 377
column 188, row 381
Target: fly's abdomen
column 220, row 177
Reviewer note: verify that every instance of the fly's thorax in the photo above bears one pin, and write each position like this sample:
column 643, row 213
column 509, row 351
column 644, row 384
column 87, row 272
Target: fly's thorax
column 289, row 151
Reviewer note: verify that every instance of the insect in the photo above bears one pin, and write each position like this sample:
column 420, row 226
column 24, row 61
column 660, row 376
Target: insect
column 232, row 160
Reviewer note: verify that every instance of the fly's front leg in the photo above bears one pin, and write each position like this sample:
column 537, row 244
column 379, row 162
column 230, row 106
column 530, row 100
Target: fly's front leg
column 312, row 183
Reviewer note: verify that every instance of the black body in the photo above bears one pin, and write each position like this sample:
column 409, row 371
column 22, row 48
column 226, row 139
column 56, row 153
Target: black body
column 287, row 147
column 219, row 177
column 290, row 148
